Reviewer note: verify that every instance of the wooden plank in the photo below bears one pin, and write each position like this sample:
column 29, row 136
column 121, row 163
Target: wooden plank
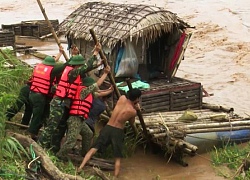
column 189, row 100
column 153, row 105
column 187, row 96
column 190, row 106
column 163, row 97
column 155, row 101
column 158, row 109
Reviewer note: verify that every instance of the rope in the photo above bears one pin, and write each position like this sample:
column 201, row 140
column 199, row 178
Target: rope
column 34, row 159
column 168, row 137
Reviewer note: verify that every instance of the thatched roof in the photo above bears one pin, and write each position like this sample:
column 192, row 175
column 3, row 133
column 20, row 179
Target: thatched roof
column 114, row 22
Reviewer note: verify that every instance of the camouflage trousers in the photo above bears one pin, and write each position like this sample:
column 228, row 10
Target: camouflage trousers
column 76, row 126
column 55, row 117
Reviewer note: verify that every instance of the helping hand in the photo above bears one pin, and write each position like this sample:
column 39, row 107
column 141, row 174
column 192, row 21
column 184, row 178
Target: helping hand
column 111, row 88
column 107, row 69
column 137, row 107
column 61, row 50
column 97, row 48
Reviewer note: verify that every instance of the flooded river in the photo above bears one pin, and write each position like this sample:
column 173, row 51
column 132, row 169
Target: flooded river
column 218, row 56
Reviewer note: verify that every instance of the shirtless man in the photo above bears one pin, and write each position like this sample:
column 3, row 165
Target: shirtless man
column 112, row 133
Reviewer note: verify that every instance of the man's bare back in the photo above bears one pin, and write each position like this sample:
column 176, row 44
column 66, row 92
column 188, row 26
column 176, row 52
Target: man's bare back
column 123, row 111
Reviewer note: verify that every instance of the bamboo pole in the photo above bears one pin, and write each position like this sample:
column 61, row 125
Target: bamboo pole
column 117, row 92
column 189, row 152
column 51, row 29
column 215, row 125
column 16, row 124
column 161, row 135
column 191, row 131
column 7, row 58
column 144, row 129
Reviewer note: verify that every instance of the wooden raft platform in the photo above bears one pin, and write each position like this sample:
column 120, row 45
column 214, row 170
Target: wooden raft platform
column 7, row 38
column 166, row 130
column 35, row 28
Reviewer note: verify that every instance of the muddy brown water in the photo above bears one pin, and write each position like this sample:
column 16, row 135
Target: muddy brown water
column 217, row 56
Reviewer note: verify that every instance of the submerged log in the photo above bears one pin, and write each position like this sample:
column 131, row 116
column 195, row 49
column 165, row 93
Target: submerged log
column 95, row 162
column 100, row 174
column 216, row 107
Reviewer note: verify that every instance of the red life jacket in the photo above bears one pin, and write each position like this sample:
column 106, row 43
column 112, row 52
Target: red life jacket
column 79, row 106
column 64, row 88
column 41, row 79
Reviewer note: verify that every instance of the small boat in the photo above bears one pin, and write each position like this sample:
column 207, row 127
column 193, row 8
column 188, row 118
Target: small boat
column 208, row 141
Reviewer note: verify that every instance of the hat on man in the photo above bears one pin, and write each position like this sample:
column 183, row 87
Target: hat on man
column 48, row 60
column 77, row 60
column 88, row 81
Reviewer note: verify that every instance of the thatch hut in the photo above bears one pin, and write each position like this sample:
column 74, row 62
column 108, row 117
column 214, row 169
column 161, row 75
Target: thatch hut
column 153, row 39
column 154, row 32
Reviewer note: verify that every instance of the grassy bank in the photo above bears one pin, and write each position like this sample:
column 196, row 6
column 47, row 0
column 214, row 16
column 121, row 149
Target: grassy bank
column 232, row 161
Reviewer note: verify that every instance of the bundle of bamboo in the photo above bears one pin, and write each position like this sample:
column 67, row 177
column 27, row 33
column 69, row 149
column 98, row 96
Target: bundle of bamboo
column 166, row 130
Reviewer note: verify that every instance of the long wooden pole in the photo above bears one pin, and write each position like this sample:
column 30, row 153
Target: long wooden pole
column 105, row 62
column 7, row 58
column 144, row 129
column 51, row 29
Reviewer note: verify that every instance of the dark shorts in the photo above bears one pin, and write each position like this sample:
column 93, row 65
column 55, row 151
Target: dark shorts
column 110, row 135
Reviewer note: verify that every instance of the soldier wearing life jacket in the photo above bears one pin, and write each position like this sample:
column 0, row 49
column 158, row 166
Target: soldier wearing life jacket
column 65, row 91
column 41, row 91
column 41, row 83
column 79, row 112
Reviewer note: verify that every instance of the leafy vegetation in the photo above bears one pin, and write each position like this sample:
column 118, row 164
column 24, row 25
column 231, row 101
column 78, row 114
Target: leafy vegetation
column 232, row 156
column 11, row 151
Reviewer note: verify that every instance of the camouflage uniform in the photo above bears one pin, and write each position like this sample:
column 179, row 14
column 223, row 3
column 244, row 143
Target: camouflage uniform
column 57, row 110
column 77, row 125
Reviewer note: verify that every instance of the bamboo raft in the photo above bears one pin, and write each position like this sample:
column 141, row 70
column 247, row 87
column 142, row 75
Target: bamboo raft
column 35, row 28
column 167, row 131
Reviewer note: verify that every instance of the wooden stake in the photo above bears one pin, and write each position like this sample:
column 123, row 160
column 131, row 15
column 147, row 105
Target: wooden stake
column 17, row 124
column 144, row 129
column 52, row 29
column 105, row 62
column 7, row 58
